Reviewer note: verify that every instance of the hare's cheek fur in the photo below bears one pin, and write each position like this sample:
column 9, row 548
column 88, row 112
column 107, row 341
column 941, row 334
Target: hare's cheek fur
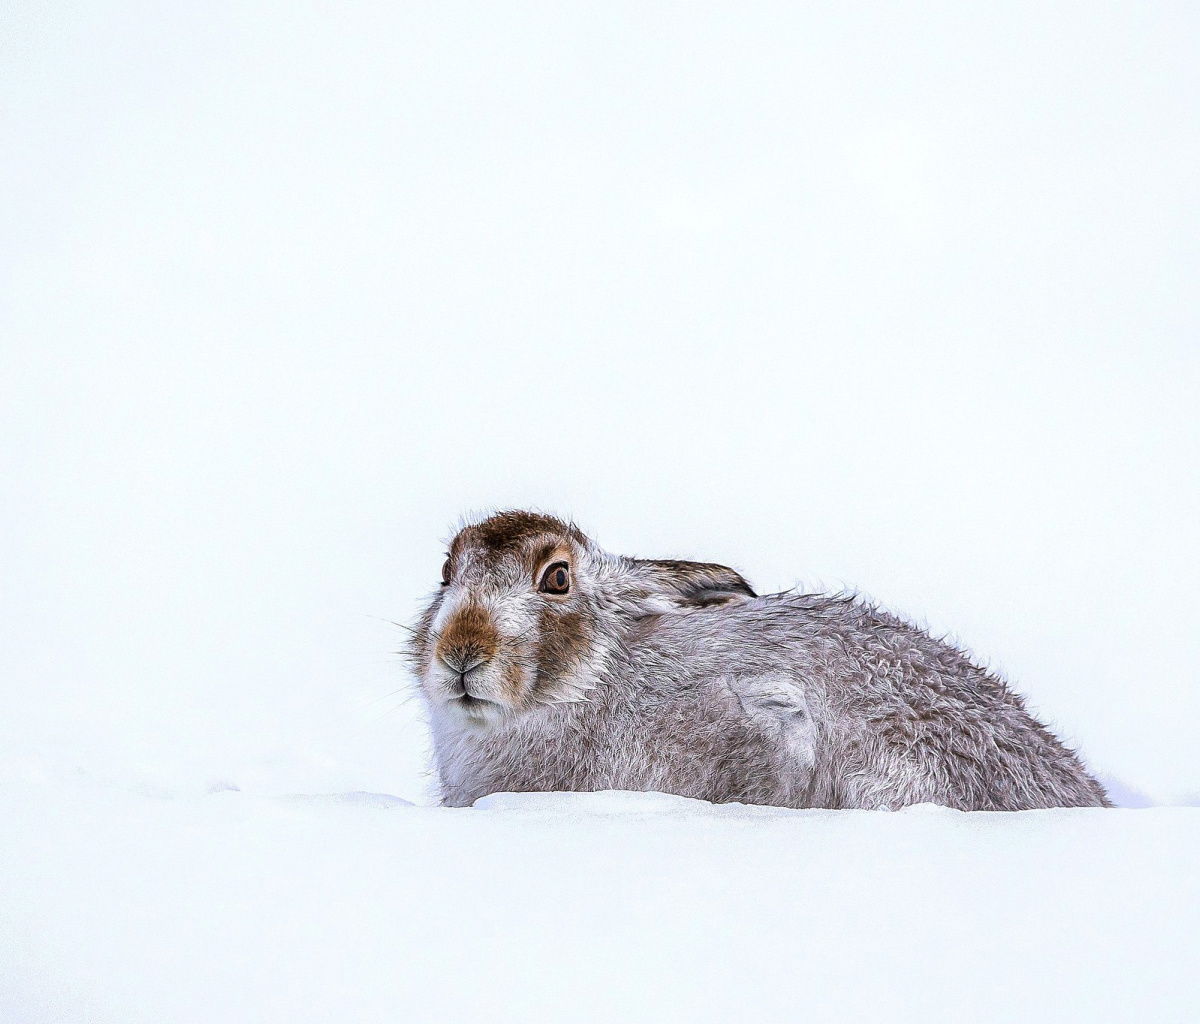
column 565, row 641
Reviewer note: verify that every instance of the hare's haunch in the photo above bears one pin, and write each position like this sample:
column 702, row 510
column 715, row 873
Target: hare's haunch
column 549, row 664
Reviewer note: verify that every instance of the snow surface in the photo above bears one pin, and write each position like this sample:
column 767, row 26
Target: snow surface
column 586, row 907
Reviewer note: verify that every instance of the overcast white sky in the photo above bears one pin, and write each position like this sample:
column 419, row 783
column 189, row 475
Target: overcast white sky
column 895, row 298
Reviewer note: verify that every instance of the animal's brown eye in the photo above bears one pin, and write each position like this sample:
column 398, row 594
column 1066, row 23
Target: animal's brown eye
column 445, row 572
column 556, row 579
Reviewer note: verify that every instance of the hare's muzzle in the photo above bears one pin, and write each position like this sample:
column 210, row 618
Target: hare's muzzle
column 468, row 642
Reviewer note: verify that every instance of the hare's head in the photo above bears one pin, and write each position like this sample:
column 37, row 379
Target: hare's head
column 529, row 610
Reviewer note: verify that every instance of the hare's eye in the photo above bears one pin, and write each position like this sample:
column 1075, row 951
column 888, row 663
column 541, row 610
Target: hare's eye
column 556, row 579
column 446, row 572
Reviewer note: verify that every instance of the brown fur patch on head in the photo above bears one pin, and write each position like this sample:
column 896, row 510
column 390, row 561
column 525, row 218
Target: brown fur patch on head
column 468, row 637
column 513, row 679
column 509, row 531
column 543, row 553
column 565, row 642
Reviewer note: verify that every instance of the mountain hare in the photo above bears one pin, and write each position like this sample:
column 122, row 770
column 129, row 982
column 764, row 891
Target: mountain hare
column 549, row 664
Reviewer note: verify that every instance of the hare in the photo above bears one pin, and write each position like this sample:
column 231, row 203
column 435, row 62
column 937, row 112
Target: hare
column 547, row 663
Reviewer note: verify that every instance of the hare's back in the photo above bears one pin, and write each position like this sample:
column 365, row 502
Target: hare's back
column 842, row 654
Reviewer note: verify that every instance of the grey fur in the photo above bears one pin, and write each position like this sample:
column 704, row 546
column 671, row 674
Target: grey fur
column 676, row 677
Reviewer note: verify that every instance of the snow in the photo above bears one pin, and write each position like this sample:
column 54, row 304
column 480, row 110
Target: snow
column 900, row 300
column 587, row 907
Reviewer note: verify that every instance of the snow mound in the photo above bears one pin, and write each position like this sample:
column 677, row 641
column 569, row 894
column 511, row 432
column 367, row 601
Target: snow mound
column 128, row 908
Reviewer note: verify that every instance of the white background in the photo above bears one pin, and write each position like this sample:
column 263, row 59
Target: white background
column 894, row 298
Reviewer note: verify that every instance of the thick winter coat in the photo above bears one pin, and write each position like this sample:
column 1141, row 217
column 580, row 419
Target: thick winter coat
column 549, row 664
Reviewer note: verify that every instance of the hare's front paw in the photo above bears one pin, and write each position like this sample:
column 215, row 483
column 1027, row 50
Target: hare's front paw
column 775, row 704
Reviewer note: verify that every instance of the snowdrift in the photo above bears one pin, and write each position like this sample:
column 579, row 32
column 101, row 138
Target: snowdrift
column 119, row 906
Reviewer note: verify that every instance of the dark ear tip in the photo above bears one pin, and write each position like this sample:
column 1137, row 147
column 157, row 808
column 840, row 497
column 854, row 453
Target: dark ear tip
column 715, row 598
column 698, row 584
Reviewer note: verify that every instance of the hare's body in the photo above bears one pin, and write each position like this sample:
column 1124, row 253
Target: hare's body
column 697, row 687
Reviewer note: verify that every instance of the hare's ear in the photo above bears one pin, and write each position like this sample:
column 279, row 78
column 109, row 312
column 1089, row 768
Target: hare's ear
column 671, row 585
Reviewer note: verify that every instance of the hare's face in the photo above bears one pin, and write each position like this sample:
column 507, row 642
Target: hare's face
column 514, row 624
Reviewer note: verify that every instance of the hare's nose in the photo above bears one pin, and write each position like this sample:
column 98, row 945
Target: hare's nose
column 463, row 661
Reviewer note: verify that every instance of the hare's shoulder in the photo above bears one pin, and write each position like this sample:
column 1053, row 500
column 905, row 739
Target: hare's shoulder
column 755, row 653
